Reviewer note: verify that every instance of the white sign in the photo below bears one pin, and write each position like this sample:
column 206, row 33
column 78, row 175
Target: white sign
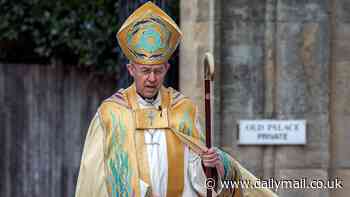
column 272, row 132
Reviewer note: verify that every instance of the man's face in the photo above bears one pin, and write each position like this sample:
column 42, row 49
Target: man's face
column 148, row 78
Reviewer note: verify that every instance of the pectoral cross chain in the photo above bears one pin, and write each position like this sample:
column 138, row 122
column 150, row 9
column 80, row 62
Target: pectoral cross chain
column 151, row 116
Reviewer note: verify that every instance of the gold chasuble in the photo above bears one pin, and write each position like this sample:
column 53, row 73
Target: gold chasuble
column 115, row 162
column 125, row 157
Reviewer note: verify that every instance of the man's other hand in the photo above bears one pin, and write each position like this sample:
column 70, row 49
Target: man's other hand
column 210, row 158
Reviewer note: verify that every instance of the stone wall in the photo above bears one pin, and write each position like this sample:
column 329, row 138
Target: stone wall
column 340, row 97
column 279, row 59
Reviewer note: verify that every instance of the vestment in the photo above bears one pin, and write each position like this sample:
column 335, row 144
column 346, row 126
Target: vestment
column 118, row 159
column 127, row 161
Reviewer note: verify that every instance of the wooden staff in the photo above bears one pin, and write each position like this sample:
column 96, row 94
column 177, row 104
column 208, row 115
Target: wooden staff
column 208, row 63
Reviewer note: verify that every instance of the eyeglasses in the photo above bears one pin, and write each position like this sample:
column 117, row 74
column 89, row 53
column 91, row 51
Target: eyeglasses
column 148, row 71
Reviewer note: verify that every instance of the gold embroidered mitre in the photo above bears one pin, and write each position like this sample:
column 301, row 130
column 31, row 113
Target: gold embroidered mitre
column 149, row 35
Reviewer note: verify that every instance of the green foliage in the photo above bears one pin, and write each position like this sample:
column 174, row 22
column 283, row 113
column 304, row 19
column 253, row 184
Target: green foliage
column 82, row 32
column 74, row 32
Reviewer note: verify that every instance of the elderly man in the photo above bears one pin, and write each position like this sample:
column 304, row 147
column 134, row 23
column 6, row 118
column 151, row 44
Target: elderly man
column 146, row 140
